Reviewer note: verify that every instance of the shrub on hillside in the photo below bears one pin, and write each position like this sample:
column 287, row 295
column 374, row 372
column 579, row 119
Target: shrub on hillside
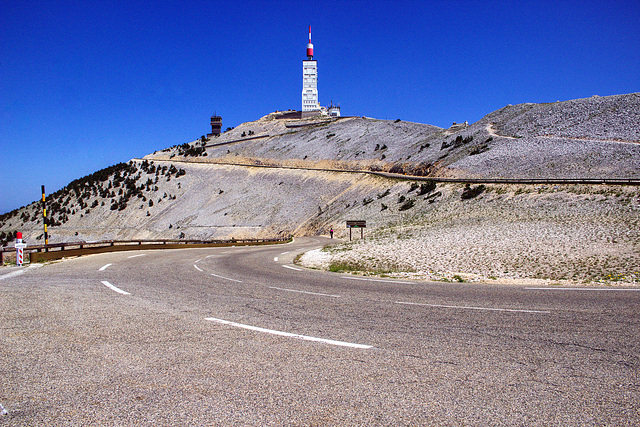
column 408, row 204
column 386, row 193
column 478, row 149
column 427, row 187
column 459, row 141
column 471, row 192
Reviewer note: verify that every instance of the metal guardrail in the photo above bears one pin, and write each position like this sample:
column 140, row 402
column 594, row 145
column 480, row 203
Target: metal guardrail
column 60, row 250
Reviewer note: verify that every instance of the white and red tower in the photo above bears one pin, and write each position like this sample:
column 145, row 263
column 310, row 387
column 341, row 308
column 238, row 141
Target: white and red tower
column 310, row 80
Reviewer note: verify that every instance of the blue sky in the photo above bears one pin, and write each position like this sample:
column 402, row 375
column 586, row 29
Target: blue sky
column 86, row 84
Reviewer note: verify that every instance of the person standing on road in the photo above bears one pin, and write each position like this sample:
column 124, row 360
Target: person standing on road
column 331, row 232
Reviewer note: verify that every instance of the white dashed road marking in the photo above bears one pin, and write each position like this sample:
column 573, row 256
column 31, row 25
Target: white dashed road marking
column 291, row 268
column 304, row 292
column 113, row 288
column 288, row 334
column 104, row 267
column 584, row 289
column 379, row 280
column 216, row 275
column 226, row 278
column 462, row 307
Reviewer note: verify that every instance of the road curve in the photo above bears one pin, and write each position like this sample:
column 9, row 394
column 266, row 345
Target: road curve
column 242, row 336
column 506, row 181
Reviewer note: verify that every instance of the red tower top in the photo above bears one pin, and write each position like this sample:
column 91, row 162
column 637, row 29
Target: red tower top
column 310, row 46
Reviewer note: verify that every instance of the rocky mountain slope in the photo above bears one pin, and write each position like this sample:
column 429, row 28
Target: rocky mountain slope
column 587, row 138
column 528, row 234
column 220, row 187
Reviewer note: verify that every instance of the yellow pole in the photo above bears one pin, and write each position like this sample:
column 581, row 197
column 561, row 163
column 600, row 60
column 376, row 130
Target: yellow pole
column 44, row 217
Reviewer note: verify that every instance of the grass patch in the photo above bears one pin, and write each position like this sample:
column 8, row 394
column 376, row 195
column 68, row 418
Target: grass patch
column 345, row 266
column 358, row 267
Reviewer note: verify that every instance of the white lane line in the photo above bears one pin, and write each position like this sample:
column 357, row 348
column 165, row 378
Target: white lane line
column 104, row 267
column 136, row 256
column 284, row 253
column 197, row 268
column 379, row 280
column 584, row 289
column 226, row 278
column 304, row 292
column 276, row 259
column 19, row 272
column 292, row 268
column 113, row 288
column 463, row 307
column 12, row 274
column 198, row 260
column 288, row 334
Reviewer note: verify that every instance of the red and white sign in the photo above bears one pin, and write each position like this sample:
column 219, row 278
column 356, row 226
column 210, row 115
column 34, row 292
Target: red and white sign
column 19, row 249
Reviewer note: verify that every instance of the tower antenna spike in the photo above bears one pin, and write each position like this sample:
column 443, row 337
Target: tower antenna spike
column 310, row 47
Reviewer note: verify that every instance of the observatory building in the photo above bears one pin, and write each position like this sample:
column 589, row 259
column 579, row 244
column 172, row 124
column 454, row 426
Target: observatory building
column 310, row 82
column 310, row 104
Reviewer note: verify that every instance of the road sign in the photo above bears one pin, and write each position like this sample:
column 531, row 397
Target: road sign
column 357, row 224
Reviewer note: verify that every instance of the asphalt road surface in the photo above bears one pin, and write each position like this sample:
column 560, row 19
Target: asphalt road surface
column 243, row 337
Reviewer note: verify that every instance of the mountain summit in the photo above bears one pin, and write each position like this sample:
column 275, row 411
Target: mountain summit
column 278, row 176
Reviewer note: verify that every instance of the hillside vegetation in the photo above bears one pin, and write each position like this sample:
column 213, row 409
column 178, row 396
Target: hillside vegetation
column 278, row 177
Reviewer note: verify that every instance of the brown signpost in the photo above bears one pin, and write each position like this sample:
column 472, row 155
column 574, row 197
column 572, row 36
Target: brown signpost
column 357, row 224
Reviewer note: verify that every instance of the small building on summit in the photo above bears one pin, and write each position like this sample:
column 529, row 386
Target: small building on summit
column 216, row 126
column 333, row 110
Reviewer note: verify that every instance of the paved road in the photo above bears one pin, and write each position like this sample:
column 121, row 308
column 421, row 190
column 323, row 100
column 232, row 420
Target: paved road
column 242, row 336
column 582, row 181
